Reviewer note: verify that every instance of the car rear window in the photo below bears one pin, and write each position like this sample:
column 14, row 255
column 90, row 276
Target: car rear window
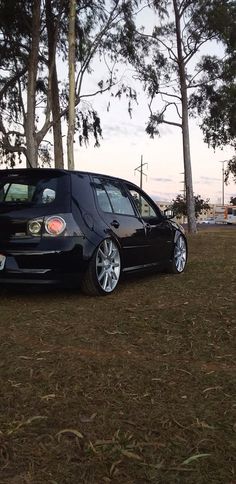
column 25, row 189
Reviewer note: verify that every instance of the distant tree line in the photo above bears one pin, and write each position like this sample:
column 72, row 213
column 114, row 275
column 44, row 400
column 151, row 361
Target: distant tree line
column 35, row 100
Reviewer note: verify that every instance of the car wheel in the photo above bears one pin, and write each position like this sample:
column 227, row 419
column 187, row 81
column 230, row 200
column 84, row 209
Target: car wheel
column 104, row 268
column 178, row 263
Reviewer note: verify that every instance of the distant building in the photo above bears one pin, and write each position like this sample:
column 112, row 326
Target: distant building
column 215, row 212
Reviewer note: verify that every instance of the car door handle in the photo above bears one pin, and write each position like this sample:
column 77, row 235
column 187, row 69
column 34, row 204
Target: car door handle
column 115, row 224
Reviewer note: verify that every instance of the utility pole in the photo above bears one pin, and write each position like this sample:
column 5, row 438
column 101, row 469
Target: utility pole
column 223, row 180
column 140, row 170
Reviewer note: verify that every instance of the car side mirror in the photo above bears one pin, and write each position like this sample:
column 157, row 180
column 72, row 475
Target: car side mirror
column 169, row 213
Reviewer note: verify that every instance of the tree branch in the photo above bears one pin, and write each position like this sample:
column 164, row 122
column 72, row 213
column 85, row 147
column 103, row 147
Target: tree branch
column 170, row 95
column 100, row 91
column 12, row 81
column 195, row 49
column 42, row 132
column 172, row 55
column 172, row 123
column 96, row 42
column 6, row 143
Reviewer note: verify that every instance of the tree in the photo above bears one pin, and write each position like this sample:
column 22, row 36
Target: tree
column 71, row 104
column 233, row 201
column 179, row 205
column 29, row 119
column 215, row 99
column 174, row 73
column 52, row 27
column 24, row 90
column 31, row 73
column 15, row 24
column 215, row 103
column 231, row 169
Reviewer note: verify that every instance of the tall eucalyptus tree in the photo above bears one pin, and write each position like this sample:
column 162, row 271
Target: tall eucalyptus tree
column 33, row 94
column 173, row 74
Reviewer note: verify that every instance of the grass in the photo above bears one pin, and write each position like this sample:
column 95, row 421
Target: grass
column 134, row 388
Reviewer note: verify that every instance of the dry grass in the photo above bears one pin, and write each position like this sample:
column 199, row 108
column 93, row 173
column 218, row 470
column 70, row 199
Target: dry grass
column 134, row 388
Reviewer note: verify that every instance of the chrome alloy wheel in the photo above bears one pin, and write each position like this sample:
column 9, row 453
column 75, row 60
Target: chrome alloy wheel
column 108, row 265
column 180, row 254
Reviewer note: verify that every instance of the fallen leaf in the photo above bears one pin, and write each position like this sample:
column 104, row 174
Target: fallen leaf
column 131, row 455
column 194, row 457
column 70, row 431
column 85, row 419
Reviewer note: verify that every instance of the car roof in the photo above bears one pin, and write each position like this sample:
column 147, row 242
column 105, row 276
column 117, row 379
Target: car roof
column 60, row 170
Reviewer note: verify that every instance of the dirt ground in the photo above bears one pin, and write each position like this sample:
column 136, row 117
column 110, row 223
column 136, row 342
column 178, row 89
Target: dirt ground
column 137, row 387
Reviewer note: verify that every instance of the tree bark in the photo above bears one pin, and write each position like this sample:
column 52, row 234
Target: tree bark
column 31, row 142
column 192, row 226
column 55, row 100
column 71, row 112
column 56, row 116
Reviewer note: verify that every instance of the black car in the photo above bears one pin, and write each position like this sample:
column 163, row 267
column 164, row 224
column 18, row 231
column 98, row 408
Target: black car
column 64, row 226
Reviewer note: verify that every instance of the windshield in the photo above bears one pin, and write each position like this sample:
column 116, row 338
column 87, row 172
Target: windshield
column 25, row 189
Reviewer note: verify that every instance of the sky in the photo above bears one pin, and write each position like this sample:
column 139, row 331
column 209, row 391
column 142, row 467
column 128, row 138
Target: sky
column 124, row 141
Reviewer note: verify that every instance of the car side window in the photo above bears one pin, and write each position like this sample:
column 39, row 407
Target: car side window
column 112, row 197
column 143, row 205
column 103, row 200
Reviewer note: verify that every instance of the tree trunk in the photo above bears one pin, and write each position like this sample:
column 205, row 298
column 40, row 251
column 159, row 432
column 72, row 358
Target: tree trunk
column 192, row 226
column 31, row 143
column 71, row 120
column 56, row 116
column 55, row 100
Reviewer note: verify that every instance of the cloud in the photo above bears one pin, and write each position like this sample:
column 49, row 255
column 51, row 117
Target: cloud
column 207, row 180
column 123, row 130
column 163, row 196
column 162, row 180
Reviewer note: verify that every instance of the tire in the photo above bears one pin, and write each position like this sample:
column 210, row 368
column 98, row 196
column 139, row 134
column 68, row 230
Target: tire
column 103, row 273
column 179, row 260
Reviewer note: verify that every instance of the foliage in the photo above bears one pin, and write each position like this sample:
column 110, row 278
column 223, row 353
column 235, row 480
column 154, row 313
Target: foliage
column 103, row 29
column 233, row 201
column 231, row 169
column 173, row 79
column 161, row 76
column 179, row 205
column 214, row 100
column 173, row 74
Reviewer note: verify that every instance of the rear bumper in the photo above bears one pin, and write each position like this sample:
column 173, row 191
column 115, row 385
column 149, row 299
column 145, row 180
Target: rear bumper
column 64, row 263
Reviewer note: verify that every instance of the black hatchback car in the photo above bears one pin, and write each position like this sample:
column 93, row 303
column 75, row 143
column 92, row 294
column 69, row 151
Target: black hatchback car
column 64, row 226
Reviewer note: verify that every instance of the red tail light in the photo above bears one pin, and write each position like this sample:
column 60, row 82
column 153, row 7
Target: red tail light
column 55, row 225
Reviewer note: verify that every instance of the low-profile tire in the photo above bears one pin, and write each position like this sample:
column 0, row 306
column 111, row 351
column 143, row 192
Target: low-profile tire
column 103, row 272
column 179, row 259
